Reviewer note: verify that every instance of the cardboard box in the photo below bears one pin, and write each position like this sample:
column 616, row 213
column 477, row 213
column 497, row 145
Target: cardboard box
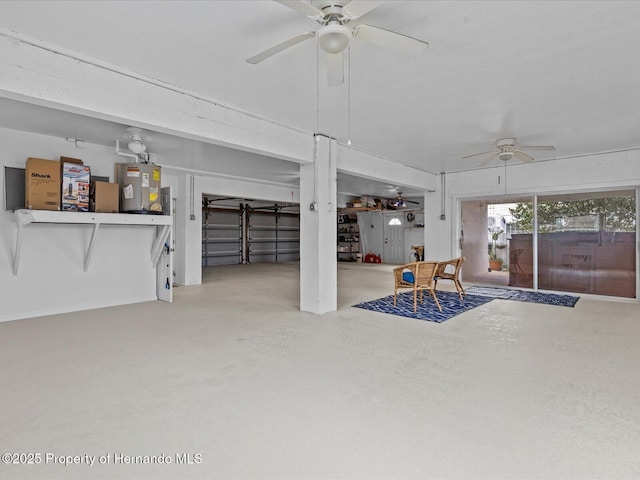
column 75, row 187
column 42, row 184
column 104, row 197
column 70, row 160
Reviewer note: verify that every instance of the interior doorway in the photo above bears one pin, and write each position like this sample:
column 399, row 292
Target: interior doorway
column 487, row 231
column 242, row 231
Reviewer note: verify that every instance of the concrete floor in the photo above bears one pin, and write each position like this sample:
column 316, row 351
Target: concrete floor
column 497, row 279
column 233, row 375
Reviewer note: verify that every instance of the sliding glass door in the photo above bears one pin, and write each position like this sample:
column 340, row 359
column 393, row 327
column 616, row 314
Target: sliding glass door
column 497, row 249
column 581, row 242
column 587, row 243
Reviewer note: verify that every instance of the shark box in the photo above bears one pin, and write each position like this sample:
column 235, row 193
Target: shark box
column 42, row 184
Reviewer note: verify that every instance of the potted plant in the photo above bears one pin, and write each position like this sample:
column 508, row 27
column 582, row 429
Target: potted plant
column 495, row 262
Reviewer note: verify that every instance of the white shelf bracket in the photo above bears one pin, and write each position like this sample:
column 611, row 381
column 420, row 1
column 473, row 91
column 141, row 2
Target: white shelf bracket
column 22, row 218
column 87, row 257
column 16, row 253
column 158, row 244
column 25, row 217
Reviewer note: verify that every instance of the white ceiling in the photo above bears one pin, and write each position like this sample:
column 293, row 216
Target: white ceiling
column 561, row 73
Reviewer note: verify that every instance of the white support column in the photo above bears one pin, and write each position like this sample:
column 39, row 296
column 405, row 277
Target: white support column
column 193, row 230
column 318, row 264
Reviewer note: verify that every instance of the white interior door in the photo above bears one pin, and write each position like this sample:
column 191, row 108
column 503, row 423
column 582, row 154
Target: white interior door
column 394, row 248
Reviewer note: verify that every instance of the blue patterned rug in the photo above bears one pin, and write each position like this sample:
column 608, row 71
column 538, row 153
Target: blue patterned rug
column 523, row 296
column 449, row 301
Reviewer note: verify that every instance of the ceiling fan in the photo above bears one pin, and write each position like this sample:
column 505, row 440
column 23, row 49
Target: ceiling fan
column 508, row 149
column 399, row 201
column 334, row 36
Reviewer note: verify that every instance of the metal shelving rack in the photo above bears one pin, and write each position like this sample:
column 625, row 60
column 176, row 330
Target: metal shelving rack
column 348, row 242
column 281, row 237
column 222, row 240
column 244, row 235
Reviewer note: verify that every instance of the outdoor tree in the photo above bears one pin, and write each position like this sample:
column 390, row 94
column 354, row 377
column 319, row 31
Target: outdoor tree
column 618, row 213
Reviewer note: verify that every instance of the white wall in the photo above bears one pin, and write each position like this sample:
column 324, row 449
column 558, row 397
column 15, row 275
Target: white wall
column 586, row 173
column 51, row 277
column 412, row 236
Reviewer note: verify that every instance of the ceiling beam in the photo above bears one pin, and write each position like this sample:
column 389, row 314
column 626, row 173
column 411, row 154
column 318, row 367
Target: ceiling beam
column 366, row 165
column 39, row 73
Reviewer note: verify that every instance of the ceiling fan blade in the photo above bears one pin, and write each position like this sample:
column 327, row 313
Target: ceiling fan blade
column 478, row 154
column 357, row 8
column 488, row 160
column 387, row 38
column 335, row 69
column 304, row 8
column 278, row 47
column 537, row 147
column 522, row 156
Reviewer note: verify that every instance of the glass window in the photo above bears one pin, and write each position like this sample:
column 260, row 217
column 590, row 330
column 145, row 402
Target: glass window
column 586, row 243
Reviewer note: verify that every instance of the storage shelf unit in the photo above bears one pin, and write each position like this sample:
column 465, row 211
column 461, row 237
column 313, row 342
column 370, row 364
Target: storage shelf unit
column 221, row 242
column 348, row 241
column 277, row 230
column 244, row 234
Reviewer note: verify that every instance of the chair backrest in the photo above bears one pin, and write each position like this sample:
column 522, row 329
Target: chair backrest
column 425, row 271
column 456, row 264
column 398, row 271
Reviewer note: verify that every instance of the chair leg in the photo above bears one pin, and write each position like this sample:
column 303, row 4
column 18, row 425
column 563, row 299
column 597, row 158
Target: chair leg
column 433, row 292
column 395, row 294
column 415, row 298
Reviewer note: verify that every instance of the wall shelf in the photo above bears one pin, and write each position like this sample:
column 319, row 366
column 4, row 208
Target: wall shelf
column 26, row 217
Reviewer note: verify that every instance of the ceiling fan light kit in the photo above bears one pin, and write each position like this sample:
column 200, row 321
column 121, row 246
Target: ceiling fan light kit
column 137, row 136
column 334, row 38
column 505, row 155
column 136, row 146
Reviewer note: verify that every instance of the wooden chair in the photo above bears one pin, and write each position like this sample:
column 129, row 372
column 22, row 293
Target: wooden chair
column 452, row 273
column 423, row 273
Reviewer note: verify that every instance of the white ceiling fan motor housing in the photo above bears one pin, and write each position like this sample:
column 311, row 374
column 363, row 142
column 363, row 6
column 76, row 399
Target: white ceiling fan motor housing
column 506, row 142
